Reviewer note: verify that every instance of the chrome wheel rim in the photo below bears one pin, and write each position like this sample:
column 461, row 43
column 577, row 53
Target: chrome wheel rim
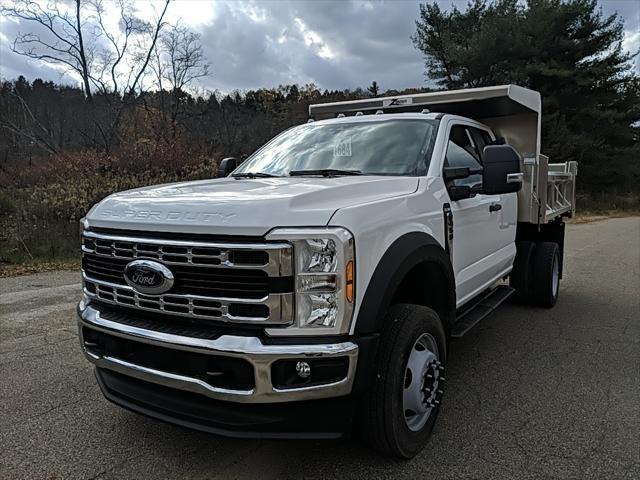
column 423, row 379
column 555, row 279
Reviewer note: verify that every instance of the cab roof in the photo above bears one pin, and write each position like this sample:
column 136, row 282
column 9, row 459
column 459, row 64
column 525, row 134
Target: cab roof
column 511, row 111
column 469, row 102
column 373, row 118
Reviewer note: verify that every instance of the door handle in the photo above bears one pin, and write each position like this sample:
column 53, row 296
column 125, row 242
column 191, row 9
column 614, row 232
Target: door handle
column 494, row 207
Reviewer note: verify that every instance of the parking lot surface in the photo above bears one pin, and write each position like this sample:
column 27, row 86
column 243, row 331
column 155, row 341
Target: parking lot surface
column 531, row 393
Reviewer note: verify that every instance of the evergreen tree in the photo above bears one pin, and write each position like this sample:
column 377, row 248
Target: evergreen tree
column 568, row 51
column 373, row 89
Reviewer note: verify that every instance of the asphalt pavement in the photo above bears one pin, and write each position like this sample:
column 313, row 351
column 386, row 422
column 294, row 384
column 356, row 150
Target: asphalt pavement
column 531, row 393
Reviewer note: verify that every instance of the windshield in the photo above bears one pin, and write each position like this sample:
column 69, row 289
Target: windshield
column 387, row 147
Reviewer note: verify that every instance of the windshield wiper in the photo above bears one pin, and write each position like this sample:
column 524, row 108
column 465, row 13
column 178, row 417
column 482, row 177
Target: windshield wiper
column 325, row 172
column 253, row 175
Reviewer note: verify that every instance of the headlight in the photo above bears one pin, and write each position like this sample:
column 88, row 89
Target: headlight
column 324, row 270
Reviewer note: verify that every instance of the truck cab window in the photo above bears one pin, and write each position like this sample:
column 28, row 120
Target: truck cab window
column 463, row 152
column 481, row 138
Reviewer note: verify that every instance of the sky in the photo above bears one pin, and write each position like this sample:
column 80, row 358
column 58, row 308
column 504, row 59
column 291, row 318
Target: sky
column 333, row 44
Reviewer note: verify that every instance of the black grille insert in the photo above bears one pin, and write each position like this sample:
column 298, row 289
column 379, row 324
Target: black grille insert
column 196, row 280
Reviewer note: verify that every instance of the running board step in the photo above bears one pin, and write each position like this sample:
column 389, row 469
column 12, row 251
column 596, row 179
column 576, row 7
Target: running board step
column 484, row 307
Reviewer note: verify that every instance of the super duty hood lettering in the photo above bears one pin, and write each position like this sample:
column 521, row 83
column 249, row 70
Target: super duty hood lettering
column 243, row 207
column 160, row 216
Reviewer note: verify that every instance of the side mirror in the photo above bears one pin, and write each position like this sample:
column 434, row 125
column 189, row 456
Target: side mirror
column 501, row 168
column 227, row 166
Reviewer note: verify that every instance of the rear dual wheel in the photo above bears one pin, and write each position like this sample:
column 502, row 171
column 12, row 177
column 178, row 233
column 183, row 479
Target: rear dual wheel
column 536, row 273
column 546, row 275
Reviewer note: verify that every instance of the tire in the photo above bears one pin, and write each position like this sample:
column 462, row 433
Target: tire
column 384, row 423
column 521, row 277
column 546, row 274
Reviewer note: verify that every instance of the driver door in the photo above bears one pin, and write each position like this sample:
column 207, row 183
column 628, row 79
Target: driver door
column 474, row 224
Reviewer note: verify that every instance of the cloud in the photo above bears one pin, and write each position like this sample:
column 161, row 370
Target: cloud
column 334, row 44
column 13, row 65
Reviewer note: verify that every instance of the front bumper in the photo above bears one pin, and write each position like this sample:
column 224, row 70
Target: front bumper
column 317, row 419
column 248, row 348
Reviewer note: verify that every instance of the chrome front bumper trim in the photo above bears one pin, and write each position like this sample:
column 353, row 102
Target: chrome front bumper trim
column 251, row 349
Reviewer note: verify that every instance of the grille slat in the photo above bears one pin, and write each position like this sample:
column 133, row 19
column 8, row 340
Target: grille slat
column 104, row 270
column 110, row 262
column 177, row 254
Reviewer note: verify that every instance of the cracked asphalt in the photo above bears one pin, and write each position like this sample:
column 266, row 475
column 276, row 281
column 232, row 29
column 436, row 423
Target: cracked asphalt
column 531, row 393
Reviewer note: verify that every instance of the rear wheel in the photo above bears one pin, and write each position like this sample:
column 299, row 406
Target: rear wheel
column 521, row 277
column 546, row 274
column 402, row 406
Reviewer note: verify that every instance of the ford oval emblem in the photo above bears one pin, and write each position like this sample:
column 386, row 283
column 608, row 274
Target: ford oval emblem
column 149, row 277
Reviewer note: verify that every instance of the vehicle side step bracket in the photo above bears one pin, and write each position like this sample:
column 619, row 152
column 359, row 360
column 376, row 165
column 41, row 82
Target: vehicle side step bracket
column 488, row 304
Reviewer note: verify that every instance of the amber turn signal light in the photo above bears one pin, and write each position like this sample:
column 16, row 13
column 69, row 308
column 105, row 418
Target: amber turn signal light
column 349, row 283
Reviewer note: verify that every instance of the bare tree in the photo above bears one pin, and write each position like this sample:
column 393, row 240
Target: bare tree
column 110, row 58
column 143, row 55
column 180, row 57
column 72, row 37
column 109, row 61
column 178, row 61
column 60, row 40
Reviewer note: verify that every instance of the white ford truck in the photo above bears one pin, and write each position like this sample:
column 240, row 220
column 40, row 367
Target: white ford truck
column 313, row 289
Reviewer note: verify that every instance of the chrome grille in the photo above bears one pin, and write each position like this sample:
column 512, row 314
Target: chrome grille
column 273, row 258
column 245, row 286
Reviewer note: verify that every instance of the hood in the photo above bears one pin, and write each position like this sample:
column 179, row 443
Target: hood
column 228, row 206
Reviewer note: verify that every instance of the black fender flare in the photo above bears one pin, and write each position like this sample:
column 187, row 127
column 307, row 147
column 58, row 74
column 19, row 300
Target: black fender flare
column 402, row 255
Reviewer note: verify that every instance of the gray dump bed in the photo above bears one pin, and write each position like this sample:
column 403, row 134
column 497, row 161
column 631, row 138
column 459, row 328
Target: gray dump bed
column 512, row 112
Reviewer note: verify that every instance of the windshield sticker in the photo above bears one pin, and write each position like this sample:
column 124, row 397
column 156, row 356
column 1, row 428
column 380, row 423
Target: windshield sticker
column 343, row 148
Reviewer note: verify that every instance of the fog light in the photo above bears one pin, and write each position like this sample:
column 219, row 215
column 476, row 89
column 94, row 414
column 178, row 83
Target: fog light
column 303, row 369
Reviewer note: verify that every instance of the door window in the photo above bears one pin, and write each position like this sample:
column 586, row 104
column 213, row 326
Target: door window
column 462, row 151
column 481, row 139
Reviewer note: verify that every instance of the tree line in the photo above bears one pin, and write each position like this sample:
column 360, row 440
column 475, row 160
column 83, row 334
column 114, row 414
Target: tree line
column 139, row 87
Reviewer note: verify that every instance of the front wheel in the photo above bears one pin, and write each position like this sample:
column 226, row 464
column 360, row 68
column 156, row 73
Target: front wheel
column 403, row 403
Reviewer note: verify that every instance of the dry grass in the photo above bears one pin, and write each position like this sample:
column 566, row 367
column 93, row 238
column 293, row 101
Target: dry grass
column 15, row 270
column 40, row 207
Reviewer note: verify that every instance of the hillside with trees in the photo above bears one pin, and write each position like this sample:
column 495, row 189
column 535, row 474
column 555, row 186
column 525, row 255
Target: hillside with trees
column 138, row 118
